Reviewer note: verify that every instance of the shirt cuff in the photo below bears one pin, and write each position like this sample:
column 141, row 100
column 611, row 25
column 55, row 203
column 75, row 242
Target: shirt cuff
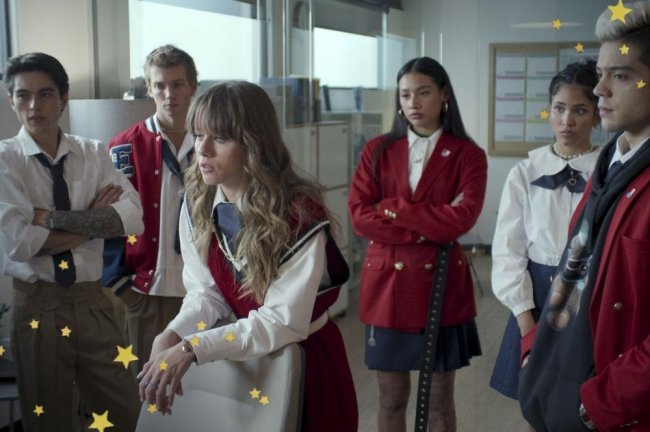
column 523, row 307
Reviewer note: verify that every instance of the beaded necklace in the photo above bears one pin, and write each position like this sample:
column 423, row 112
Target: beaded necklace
column 568, row 156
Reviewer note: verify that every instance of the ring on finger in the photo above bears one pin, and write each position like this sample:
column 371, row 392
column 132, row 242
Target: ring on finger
column 153, row 385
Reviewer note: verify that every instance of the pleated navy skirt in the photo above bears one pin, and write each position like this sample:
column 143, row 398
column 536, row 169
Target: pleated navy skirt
column 505, row 376
column 394, row 350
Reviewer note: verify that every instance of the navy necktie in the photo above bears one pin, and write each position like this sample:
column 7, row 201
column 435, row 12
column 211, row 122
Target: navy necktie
column 172, row 164
column 613, row 170
column 64, row 268
column 228, row 219
column 567, row 177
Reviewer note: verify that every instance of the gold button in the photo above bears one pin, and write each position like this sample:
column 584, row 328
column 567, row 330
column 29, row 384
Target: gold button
column 428, row 266
column 618, row 306
column 393, row 215
column 387, row 212
column 399, row 265
column 421, row 239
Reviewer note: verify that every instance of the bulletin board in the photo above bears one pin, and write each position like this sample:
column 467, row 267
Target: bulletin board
column 519, row 78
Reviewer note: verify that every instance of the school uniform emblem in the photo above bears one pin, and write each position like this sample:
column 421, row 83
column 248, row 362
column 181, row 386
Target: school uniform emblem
column 121, row 157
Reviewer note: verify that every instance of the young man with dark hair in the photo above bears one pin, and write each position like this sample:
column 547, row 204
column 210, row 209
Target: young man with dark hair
column 59, row 198
column 589, row 368
column 153, row 154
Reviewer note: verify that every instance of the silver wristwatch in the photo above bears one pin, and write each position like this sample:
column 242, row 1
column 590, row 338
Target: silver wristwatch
column 189, row 350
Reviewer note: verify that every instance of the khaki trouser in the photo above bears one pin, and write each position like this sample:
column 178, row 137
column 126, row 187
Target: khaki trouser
column 49, row 364
column 146, row 317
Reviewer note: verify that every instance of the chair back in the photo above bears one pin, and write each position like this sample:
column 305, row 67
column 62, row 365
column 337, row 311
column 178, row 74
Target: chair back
column 222, row 396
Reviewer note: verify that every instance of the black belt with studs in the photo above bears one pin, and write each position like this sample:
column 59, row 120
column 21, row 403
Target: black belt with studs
column 430, row 338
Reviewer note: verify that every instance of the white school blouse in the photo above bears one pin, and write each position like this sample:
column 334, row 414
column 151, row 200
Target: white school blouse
column 167, row 280
column 532, row 224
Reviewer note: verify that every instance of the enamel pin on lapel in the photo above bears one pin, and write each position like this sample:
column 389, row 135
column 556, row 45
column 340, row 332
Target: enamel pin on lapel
column 445, row 153
column 630, row 193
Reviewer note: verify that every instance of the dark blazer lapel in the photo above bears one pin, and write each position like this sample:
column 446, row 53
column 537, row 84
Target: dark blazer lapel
column 397, row 155
column 445, row 151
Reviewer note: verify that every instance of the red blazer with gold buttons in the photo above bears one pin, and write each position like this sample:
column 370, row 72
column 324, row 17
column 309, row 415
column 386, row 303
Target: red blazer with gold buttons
column 404, row 230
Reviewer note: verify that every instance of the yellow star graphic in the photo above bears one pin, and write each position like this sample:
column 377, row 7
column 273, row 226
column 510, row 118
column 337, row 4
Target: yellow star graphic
column 618, row 12
column 152, row 408
column 195, row 341
column 38, row 410
column 63, row 265
column 33, row 324
column 2, row 350
column 624, row 49
column 163, row 365
column 100, row 422
column 640, row 84
column 543, row 115
column 557, row 24
column 264, row 400
column 131, row 240
column 125, row 355
column 65, row 331
column 255, row 393
column 230, row 336
column 579, row 47
column 201, row 325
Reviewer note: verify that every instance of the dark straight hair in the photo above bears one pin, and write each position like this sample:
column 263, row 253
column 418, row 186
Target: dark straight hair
column 36, row 62
column 580, row 73
column 451, row 121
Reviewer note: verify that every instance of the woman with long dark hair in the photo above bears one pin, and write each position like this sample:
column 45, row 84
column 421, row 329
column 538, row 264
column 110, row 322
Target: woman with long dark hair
column 416, row 190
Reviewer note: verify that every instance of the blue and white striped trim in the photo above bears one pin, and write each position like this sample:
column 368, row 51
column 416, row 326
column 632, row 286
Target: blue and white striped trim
column 186, row 211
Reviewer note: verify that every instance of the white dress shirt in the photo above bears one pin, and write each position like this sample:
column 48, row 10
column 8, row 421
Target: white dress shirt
column 284, row 317
column 26, row 184
column 623, row 152
column 532, row 224
column 167, row 280
column 420, row 150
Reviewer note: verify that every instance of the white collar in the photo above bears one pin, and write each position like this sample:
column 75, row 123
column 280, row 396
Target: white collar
column 220, row 197
column 546, row 162
column 188, row 141
column 30, row 147
column 432, row 139
column 618, row 154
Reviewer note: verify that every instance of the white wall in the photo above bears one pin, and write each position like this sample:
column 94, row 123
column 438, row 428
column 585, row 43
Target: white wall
column 63, row 29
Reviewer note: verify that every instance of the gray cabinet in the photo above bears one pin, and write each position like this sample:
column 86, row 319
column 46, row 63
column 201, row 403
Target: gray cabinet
column 322, row 150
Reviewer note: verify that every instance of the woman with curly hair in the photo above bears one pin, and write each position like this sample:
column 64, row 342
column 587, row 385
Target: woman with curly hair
column 256, row 241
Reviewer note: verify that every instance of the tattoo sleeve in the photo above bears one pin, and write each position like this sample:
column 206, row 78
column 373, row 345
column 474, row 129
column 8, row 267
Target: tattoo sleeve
column 103, row 222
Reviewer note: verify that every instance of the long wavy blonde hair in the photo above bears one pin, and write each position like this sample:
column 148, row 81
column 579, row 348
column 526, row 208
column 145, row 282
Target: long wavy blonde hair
column 243, row 112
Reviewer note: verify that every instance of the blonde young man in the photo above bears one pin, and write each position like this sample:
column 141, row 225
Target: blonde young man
column 59, row 198
column 590, row 362
column 153, row 154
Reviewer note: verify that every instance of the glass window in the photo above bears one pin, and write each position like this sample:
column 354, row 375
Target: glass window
column 345, row 59
column 223, row 41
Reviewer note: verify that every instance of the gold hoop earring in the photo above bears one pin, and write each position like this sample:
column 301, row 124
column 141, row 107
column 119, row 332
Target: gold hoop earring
column 445, row 107
column 400, row 112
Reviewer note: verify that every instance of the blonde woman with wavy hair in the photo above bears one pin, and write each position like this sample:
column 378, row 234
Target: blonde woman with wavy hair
column 257, row 243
